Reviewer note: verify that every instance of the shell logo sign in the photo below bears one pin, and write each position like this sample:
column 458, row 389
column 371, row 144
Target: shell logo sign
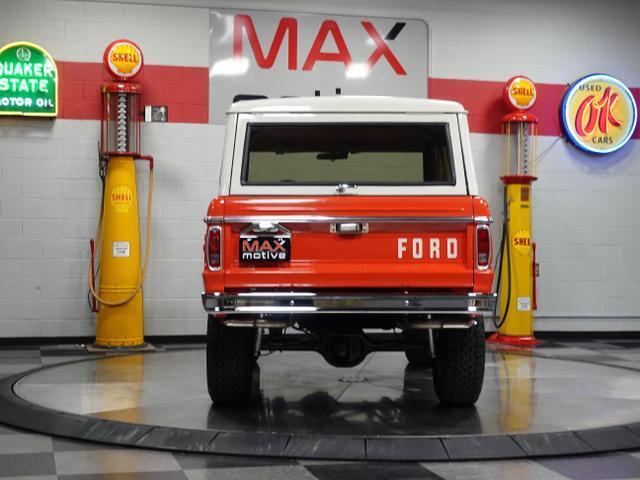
column 598, row 114
column 121, row 198
column 123, row 59
column 520, row 93
column 522, row 241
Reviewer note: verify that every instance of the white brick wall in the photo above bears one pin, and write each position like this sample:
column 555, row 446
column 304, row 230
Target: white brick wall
column 48, row 215
column 80, row 31
column 586, row 215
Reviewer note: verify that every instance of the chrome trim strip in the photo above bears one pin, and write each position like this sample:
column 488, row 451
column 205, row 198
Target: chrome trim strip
column 320, row 218
column 266, row 228
column 261, row 323
column 328, row 219
column 308, row 302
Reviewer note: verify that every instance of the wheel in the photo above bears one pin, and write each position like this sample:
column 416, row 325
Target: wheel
column 230, row 362
column 458, row 370
column 419, row 357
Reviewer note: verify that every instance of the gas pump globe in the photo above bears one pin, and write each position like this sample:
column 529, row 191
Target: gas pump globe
column 117, row 296
column 517, row 258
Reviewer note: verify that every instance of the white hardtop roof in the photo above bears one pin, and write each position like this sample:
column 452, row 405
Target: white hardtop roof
column 346, row 103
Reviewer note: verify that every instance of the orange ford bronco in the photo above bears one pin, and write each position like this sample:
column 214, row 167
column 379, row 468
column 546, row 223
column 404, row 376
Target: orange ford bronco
column 344, row 226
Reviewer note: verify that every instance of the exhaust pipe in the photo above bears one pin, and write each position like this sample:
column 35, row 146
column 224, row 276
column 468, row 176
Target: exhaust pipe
column 442, row 324
column 255, row 323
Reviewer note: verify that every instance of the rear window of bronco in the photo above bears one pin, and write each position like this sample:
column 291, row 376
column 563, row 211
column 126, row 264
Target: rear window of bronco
column 362, row 154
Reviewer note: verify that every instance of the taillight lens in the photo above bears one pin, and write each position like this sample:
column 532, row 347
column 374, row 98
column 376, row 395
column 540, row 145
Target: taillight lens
column 483, row 247
column 214, row 247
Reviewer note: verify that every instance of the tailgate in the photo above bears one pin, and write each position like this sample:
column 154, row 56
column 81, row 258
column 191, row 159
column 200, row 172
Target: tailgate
column 348, row 242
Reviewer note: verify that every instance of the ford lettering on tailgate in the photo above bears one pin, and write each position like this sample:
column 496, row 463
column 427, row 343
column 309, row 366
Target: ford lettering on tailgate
column 265, row 249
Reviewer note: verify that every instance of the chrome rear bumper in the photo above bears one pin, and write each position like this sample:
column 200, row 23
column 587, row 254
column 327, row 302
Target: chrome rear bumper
column 314, row 303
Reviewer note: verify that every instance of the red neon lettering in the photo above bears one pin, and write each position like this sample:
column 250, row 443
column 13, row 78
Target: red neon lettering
column 316, row 54
column 598, row 112
column 285, row 26
column 382, row 49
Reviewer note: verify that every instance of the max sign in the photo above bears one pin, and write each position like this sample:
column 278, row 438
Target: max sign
column 277, row 54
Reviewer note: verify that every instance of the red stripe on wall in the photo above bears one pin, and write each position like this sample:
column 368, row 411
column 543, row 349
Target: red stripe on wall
column 486, row 107
column 185, row 90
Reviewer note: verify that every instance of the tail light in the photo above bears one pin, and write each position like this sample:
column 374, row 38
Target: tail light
column 483, row 247
column 213, row 242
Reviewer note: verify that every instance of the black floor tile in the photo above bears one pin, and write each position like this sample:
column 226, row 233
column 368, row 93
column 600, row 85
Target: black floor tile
column 549, row 444
column 23, row 464
column 482, row 447
column 199, row 462
column 63, row 350
column 634, row 427
column 422, row 449
column 547, row 344
column 117, row 432
column 35, row 348
column 611, row 438
column 247, row 443
column 371, row 471
column 177, row 439
column 323, row 447
column 595, row 467
column 631, row 344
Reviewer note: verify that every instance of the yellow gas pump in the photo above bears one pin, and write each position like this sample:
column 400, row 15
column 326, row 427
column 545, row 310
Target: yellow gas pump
column 118, row 299
column 516, row 279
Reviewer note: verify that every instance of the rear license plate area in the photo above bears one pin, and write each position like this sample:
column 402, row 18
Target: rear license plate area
column 264, row 249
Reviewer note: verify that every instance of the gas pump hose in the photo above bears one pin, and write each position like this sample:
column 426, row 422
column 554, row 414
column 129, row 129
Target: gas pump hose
column 504, row 241
column 145, row 266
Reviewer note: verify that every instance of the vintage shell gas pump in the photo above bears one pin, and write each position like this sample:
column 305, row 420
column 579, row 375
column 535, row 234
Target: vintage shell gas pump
column 516, row 279
column 118, row 298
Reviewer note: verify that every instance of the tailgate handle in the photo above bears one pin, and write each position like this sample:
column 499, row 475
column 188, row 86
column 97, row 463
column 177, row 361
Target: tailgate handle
column 349, row 228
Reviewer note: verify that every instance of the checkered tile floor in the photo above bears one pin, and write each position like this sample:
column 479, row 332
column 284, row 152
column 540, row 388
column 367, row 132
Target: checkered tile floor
column 28, row 456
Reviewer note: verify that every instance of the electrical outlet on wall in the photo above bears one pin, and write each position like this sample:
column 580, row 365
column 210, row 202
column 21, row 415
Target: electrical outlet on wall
column 156, row 113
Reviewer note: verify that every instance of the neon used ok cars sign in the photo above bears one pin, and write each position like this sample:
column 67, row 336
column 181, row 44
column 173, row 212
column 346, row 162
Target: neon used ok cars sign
column 598, row 114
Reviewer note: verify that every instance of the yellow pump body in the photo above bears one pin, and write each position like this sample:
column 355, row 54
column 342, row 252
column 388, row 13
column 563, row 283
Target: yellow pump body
column 120, row 270
column 518, row 263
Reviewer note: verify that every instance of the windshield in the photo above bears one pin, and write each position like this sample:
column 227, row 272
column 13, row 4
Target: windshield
column 360, row 154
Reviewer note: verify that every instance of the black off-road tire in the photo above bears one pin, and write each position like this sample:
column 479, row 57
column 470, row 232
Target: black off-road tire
column 230, row 362
column 458, row 370
column 419, row 357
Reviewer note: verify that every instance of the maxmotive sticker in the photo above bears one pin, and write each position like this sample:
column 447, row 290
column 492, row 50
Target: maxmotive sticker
column 265, row 249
